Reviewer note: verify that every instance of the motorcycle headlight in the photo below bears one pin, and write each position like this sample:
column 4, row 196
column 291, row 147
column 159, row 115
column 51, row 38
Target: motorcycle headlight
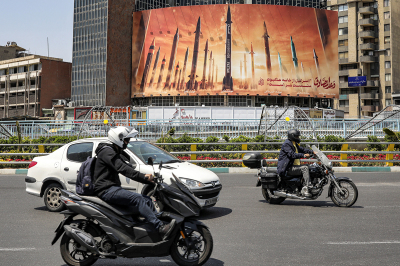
column 191, row 183
column 330, row 165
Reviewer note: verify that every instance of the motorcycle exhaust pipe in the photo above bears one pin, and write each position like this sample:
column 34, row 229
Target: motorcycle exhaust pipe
column 83, row 238
column 287, row 195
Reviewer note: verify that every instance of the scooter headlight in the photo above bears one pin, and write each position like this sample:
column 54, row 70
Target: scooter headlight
column 191, row 183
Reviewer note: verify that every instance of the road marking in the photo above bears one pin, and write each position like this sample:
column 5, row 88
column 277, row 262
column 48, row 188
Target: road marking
column 165, row 261
column 394, row 184
column 16, row 249
column 363, row 243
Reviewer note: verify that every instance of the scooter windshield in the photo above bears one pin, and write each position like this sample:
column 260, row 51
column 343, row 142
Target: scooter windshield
column 324, row 160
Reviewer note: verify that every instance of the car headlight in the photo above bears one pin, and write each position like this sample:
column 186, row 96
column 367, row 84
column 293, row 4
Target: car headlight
column 191, row 183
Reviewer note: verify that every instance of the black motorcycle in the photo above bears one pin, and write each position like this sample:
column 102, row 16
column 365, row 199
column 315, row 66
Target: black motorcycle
column 110, row 231
column 275, row 190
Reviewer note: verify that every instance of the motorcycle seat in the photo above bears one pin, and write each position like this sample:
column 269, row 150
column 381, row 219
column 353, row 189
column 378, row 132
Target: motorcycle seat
column 122, row 211
column 272, row 171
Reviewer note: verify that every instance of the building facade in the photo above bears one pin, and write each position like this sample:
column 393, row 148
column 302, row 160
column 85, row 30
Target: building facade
column 28, row 84
column 368, row 46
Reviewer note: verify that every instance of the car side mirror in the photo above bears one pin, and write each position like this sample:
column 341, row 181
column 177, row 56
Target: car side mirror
column 150, row 161
column 160, row 166
column 264, row 163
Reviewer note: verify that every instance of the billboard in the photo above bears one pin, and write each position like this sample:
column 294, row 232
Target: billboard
column 357, row 81
column 235, row 50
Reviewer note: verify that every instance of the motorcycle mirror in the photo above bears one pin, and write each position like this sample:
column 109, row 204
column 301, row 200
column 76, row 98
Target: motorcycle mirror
column 150, row 161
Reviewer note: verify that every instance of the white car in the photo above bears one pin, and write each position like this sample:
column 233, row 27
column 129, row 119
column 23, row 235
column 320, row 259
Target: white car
column 58, row 170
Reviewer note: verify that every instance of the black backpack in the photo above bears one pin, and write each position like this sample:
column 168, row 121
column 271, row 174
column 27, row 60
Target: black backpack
column 85, row 180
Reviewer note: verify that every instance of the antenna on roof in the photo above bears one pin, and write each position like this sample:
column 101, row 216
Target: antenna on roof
column 47, row 46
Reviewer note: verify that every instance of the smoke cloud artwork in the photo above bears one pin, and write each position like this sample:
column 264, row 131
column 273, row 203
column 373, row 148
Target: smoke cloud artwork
column 258, row 50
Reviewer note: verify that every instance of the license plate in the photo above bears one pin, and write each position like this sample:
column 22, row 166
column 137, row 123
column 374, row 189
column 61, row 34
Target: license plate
column 211, row 201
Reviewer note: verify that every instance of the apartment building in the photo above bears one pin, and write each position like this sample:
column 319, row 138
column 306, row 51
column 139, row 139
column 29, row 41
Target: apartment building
column 28, row 84
column 368, row 46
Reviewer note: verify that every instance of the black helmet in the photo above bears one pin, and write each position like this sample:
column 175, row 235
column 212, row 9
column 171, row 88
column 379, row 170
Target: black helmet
column 294, row 135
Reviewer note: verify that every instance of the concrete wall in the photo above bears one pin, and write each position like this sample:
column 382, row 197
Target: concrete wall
column 395, row 45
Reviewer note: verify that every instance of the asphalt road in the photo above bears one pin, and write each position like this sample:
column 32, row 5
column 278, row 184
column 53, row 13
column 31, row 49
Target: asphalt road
column 246, row 229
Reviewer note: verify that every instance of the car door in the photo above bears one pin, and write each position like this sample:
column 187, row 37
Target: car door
column 73, row 157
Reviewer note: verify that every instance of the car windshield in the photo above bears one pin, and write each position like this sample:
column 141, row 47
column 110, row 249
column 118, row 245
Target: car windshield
column 143, row 150
column 321, row 156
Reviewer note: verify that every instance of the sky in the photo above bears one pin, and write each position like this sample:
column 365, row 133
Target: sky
column 29, row 23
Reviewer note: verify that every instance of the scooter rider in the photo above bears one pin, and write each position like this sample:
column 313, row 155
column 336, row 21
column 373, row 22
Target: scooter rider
column 109, row 164
column 289, row 160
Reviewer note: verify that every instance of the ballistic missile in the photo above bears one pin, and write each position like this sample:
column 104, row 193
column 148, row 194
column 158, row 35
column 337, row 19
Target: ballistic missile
column 203, row 81
column 210, row 70
column 192, row 84
column 245, row 71
column 184, row 70
column 280, row 64
column 147, row 65
column 179, row 80
column 176, row 75
column 172, row 60
column 216, row 74
column 316, row 62
column 227, row 82
column 294, row 56
column 253, row 82
column 160, row 77
column 212, row 77
column 302, row 67
column 241, row 74
column 154, row 68
column 267, row 53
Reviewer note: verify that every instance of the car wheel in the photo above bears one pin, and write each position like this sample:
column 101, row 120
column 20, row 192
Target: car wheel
column 52, row 198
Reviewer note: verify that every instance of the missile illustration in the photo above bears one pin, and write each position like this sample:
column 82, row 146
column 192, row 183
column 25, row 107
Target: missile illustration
column 212, row 77
column 267, row 52
column 216, row 74
column 280, row 64
column 154, row 68
column 316, row 62
column 192, row 84
column 302, row 67
column 294, row 56
column 245, row 72
column 160, row 77
column 203, row 81
column 147, row 65
column 179, row 80
column 184, row 70
column 227, row 82
column 241, row 74
column 176, row 76
column 253, row 82
column 172, row 60
column 210, row 70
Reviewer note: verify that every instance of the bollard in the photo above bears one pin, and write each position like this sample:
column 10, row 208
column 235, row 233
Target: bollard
column 343, row 156
column 390, row 156
column 193, row 147
column 41, row 148
column 244, row 148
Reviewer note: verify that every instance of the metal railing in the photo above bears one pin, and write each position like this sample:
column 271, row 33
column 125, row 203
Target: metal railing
column 389, row 152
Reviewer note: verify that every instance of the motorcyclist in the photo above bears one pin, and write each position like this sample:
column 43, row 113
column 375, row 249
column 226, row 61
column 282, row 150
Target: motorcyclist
column 289, row 160
column 107, row 185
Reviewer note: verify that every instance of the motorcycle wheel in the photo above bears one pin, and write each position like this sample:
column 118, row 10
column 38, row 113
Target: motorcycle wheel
column 349, row 195
column 273, row 199
column 196, row 254
column 69, row 248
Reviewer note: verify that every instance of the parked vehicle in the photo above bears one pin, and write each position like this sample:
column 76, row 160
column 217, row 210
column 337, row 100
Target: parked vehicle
column 275, row 190
column 47, row 175
column 109, row 231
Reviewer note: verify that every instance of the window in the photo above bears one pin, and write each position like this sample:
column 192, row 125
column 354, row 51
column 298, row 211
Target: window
column 387, row 39
column 344, row 103
column 387, row 27
column 387, row 64
column 388, row 89
column 343, row 19
column 388, row 102
column 343, row 55
column 386, row 2
column 388, row 77
column 79, row 152
column 343, row 7
column 343, row 31
column 386, row 15
column 344, row 43
column 143, row 150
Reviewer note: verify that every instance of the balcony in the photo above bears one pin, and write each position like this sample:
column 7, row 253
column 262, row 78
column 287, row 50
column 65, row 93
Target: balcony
column 388, row 95
column 386, row 33
column 367, row 96
column 344, row 108
column 343, row 85
column 367, row 22
column 344, row 72
column 387, row 45
column 343, row 49
column 372, row 83
column 343, row 97
column 367, row 46
column 367, row 10
column 343, row 61
column 370, row 108
column 368, row 59
column 368, row 34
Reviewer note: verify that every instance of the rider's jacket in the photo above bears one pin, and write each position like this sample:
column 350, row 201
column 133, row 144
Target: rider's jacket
column 288, row 155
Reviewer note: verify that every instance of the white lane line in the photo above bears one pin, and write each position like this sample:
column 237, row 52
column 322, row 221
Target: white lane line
column 363, row 243
column 165, row 261
column 16, row 249
column 396, row 184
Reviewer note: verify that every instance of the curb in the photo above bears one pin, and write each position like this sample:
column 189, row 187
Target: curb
column 13, row 171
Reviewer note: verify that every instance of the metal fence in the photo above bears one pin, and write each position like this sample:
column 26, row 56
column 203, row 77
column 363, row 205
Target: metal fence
column 201, row 128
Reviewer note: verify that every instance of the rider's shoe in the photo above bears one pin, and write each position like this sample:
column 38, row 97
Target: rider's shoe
column 305, row 191
column 166, row 229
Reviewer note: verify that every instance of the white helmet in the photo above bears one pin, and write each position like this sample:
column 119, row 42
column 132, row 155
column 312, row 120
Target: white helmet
column 117, row 135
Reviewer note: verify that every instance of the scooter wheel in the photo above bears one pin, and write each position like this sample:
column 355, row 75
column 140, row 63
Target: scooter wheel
column 273, row 199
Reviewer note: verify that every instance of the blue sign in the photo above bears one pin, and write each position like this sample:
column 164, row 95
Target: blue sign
column 358, row 81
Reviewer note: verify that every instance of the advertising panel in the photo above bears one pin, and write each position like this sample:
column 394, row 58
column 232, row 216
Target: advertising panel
column 357, row 81
column 235, row 50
